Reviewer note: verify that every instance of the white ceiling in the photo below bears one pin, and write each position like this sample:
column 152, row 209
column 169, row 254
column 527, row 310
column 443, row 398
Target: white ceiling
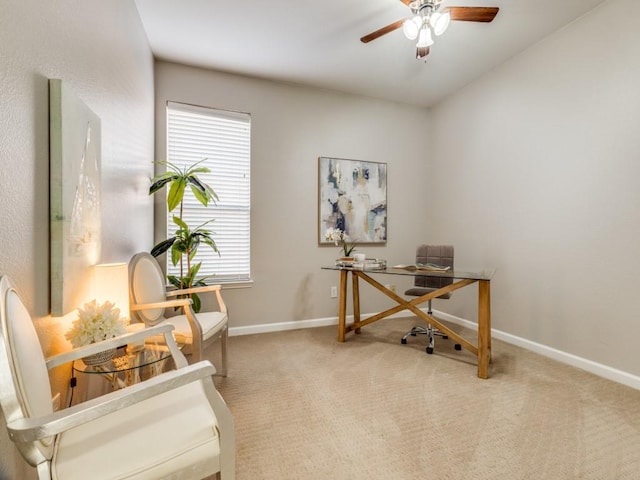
column 317, row 43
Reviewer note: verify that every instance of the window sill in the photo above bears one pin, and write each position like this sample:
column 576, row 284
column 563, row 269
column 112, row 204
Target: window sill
column 230, row 284
column 225, row 284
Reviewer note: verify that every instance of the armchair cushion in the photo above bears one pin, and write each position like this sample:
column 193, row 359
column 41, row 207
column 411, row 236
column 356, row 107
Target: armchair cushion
column 80, row 451
column 210, row 322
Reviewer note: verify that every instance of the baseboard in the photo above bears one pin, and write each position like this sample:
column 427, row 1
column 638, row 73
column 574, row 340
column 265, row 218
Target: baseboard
column 598, row 369
column 563, row 357
column 282, row 326
column 297, row 324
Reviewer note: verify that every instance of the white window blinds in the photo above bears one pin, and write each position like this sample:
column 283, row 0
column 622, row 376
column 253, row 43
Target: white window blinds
column 224, row 140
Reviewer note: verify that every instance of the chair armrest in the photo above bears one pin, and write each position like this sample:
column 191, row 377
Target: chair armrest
column 208, row 288
column 31, row 429
column 183, row 291
column 77, row 353
column 179, row 302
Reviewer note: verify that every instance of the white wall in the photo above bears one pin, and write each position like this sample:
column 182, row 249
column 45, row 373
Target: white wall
column 542, row 159
column 100, row 50
column 291, row 127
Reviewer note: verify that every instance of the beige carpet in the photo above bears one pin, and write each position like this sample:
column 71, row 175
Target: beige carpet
column 307, row 407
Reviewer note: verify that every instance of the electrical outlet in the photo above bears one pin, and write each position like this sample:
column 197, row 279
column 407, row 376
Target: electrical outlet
column 334, row 292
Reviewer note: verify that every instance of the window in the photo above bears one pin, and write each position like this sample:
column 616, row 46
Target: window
column 224, row 140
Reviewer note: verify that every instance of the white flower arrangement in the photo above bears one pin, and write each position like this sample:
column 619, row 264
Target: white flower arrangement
column 96, row 323
column 340, row 238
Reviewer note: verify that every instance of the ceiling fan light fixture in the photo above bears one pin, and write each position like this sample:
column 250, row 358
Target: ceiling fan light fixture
column 411, row 27
column 424, row 38
column 429, row 15
column 439, row 22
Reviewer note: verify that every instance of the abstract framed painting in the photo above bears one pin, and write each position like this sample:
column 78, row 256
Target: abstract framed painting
column 352, row 196
column 74, row 191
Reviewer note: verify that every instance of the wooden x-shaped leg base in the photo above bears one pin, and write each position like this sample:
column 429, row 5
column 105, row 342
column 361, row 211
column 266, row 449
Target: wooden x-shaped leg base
column 483, row 348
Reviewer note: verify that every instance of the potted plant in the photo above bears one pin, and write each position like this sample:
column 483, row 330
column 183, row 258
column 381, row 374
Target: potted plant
column 341, row 239
column 96, row 322
column 185, row 242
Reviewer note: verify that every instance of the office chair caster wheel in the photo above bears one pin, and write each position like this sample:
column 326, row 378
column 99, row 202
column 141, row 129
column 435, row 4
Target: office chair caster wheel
column 403, row 341
column 457, row 346
column 429, row 350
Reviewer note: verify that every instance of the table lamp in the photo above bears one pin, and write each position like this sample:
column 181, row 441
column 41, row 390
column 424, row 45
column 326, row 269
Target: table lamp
column 111, row 282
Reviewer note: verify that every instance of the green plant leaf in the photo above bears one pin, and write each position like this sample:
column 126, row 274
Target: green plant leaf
column 161, row 181
column 172, row 167
column 195, row 169
column 199, row 191
column 167, row 174
column 197, row 304
column 175, row 281
column 162, row 247
column 176, row 253
column 212, row 195
column 176, row 193
column 202, row 189
column 207, row 240
column 181, row 223
column 194, row 243
column 194, row 270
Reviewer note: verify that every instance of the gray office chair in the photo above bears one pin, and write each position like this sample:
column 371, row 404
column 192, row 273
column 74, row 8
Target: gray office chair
column 441, row 255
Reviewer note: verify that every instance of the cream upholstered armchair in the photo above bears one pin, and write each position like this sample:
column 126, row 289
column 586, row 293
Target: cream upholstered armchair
column 172, row 426
column 149, row 301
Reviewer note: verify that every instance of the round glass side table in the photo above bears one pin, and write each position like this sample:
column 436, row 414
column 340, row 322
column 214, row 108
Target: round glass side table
column 129, row 365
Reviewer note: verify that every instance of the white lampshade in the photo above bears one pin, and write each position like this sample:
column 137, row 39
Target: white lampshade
column 424, row 39
column 111, row 282
column 439, row 22
column 411, row 27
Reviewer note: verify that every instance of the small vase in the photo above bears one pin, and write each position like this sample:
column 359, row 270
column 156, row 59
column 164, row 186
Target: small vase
column 346, row 259
column 99, row 358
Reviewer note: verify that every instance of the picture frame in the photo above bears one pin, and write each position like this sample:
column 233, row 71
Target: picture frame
column 74, row 196
column 352, row 197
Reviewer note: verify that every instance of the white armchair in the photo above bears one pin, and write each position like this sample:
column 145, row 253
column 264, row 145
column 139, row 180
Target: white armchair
column 149, row 300
column 172, row 426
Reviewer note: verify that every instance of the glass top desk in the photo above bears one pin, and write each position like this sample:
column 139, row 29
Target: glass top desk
column 460, row 279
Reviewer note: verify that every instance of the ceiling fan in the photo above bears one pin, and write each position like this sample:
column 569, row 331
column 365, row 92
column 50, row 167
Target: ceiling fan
column 427, row 18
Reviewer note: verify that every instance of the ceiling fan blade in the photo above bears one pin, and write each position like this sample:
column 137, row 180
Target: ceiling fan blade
column 422, row 52
column 473, row 14
column 382, row 31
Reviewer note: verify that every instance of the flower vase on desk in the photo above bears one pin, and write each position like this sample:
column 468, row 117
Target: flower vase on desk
column 342, row 240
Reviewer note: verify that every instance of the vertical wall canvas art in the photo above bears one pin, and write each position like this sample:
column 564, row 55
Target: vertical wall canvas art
column 353, row 198
column 75, row 212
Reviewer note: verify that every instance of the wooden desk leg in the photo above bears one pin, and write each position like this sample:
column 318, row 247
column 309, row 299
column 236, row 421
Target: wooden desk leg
column 356, row 300
column 484, row 328
column 342, row 312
